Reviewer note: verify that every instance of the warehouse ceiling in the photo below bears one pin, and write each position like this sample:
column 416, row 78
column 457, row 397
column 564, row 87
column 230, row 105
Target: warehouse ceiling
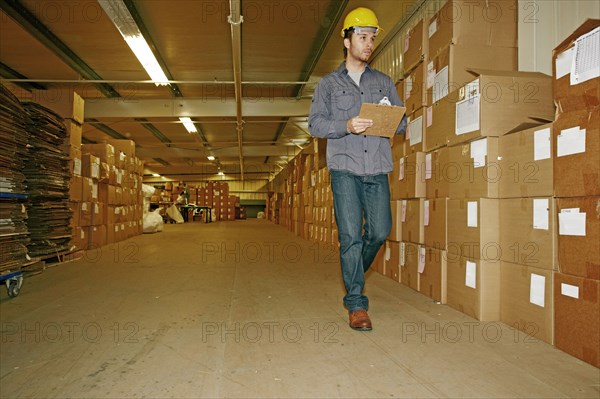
column 243, row 71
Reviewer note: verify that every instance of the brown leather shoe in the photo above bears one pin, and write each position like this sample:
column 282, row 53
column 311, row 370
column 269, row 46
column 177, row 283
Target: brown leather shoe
column 359, row 320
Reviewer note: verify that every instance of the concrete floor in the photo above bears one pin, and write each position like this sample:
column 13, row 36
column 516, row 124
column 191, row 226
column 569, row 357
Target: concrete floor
column 247, row 309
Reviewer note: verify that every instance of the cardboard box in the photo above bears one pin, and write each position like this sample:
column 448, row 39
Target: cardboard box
column 473, row 230
column 415, row 132
column 412, row 221
column 577, row 160
column 576, row 321
column 478, row 172
column 491, row 105
column 89, row 191
column 432, row 279
column 479, row 22
column 415, row 48
column 448, row 70
column 525, row 160
column 407, row 180
column 79, row 239
column 112, row 233
column 74, row 208
column 105, row 152
column 438, row 172
column 85, row 214
column 527, row 232
column 90, row 166
column 398, row 151
column 579, row 236
column 377, row 264
column 414, row 89
column 391, row 257
column 98, row 214
column 580, row 95
column 97, row 236
column 439, row 122
column 75, row 164
column 435, row 223
column 76, row 189
column 63, row 101
column 474, row 287
column 412, row 259
column 526, row 300
column 396, row 230
column 73, row 134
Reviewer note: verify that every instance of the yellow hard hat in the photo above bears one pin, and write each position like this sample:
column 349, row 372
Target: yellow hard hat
column 360, row 16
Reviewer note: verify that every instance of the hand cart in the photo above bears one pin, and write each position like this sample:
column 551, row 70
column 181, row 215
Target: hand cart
column 13, row 281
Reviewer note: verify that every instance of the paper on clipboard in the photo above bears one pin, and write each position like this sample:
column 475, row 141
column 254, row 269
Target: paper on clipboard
column 386, row 118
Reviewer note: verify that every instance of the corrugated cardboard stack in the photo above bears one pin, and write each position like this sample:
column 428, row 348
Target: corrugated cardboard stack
column 215, row 194
column 576, row 137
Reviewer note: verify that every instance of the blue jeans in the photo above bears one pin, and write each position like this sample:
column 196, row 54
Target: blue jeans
column 355, row 197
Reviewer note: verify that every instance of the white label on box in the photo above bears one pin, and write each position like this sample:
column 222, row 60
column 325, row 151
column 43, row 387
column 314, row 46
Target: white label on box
column 479, row 152
column 537, row 289
column 119, row 176
column 406, row 41
column 541, row 144
column 407, row 87
column 471, row 274
column 586, row 60
column 472, row 214
column 402, row 254
column 96, row 209
column 467, row 115
column 95, row 172
column 541, row 214
column 84, row 206
column 471, row 89
column 569, row 290
column 82, row 235
column 77, row 166
column 428, row 166
column 403, row 211
column 415, row 129
column 426, row 213
column 440, row 85
column 571, row 223
column 401, row 174
column 429, row 116
column 387, row 252
column 432, row 28
column 563, row 62
column 570, row 141
column 95, row 190
column 430, row 75
column 421, row 267
column 116, row 228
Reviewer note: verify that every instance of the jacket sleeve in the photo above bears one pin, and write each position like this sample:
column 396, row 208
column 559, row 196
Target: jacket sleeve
column 395, row 100
column 321, row 122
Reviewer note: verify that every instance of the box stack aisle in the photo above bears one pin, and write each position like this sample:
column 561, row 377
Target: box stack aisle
column 14, row 235
column 576, row 138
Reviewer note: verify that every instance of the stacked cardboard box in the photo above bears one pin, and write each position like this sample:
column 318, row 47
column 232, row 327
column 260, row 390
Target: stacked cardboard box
column 215, row 194
column 576, row 138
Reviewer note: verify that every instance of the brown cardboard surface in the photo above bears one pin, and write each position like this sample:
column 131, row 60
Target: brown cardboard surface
column 391, row 257
column 414, row 89
column 98, row 214
column 105, row 152
column 576, row 321
column 580, row 255
column 580, row 96
column 415, row 132
column 577, row 174
column 76, row 189
column 411, row 213
column 435, row 221
column 396, row 230
column 477, row 22
column 452, row 65
column 398, row 143
column 524, row 305
column 63, row 101
column 481, row 302
column 432, row 282
column 90, row 166
column 409, row 264
column 502, row 108
column 85, row 214
column 439, row 121
column 520, row 241
column 75, row 164
column 523, row 175
column 470, row 175
column 73, row 133
column 476, row 242
column 386, row 118
column 437, row 172
column 416, row 43
column 97, row 236
column 407, row 180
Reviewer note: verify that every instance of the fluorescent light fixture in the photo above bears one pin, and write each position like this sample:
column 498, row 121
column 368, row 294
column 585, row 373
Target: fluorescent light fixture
column 155, row 175
column 221, row 173
column 188, row 124
column 210, row 158
column 121, row 17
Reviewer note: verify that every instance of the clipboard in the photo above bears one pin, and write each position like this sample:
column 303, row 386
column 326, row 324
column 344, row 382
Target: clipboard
column 386, row 118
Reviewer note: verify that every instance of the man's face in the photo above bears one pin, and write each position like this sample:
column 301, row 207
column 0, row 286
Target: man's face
column 360, row 45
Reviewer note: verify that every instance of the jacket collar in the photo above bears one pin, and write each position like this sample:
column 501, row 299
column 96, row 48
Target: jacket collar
column 344, row 71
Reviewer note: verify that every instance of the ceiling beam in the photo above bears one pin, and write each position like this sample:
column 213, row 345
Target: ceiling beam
column 196, row 107
column 9, row 73
column 17, row 11
column 235, row 21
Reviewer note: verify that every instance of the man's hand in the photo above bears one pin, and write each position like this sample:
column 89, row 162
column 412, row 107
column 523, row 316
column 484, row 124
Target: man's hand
column 358, row 125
